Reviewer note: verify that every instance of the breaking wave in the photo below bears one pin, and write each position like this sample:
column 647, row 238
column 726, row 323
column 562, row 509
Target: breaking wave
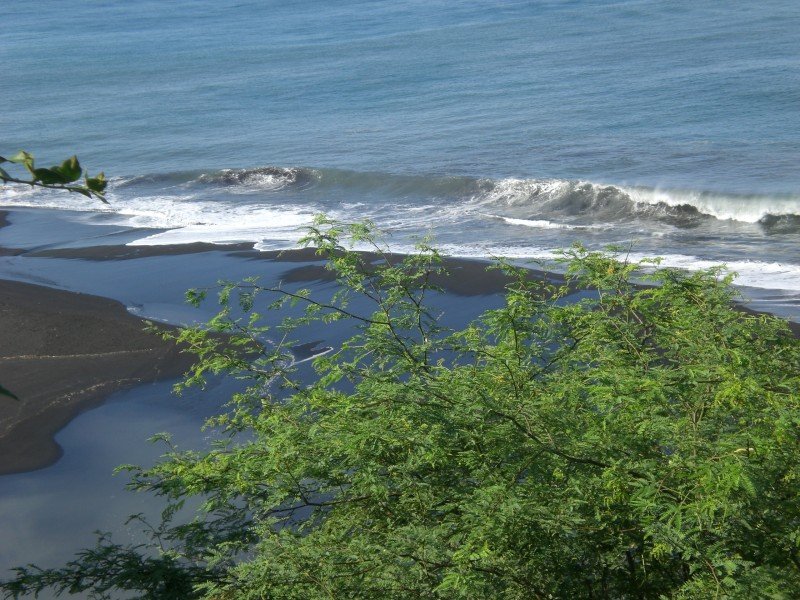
column 225, row 197
column 555, row 201
column 591, row 203
column 265, row 178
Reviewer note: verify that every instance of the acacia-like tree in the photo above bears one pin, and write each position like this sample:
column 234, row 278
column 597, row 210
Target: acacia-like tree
column 629, row 442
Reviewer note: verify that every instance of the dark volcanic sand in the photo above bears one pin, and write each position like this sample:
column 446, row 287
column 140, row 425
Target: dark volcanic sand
column 63, row 353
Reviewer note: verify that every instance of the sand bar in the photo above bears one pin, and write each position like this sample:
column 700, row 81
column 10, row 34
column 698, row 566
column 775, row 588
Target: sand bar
column 63, row 353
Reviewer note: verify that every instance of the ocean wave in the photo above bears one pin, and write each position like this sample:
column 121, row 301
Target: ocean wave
column 587, row 202
column 276, row 178
column 565, row 201
column 236, row 197
column 742, row 208
column 263, row 178
column 789, row 223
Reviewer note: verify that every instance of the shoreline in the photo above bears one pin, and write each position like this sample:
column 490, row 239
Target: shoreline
column 466, row 277
column 65, row 353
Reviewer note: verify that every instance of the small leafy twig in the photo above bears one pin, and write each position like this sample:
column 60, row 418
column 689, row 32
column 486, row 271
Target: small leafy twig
column 58, row 177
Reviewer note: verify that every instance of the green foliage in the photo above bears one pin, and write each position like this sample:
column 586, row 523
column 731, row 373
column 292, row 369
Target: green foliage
column 630, row 442
column 61, row 177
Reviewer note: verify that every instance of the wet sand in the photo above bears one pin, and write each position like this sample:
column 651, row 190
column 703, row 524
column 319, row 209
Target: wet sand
column 61, row 354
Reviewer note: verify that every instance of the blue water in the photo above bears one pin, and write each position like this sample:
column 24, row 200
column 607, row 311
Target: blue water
column 520, row 126
column 704, row 95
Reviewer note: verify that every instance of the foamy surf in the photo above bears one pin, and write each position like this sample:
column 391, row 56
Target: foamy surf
column 535, row 200
column 748, row 273
column 544, row 224
column 272, row 207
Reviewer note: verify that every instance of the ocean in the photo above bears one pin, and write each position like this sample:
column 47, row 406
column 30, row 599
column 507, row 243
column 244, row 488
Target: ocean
column 513, row 129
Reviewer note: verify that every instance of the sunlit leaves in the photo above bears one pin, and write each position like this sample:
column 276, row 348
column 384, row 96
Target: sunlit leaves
column 63, row 176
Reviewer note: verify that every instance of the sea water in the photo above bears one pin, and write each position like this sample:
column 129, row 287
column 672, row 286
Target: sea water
column 671, row 128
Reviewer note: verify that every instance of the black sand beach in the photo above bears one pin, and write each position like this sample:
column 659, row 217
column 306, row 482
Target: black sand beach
column 65, row 352
column 72, row 337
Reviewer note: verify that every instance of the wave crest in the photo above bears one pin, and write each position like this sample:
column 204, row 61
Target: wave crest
column 586, row 202
column 270, row 178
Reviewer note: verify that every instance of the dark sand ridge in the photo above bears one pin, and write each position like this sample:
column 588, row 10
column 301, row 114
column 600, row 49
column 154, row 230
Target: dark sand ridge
column 64, row 352
column 466, row 277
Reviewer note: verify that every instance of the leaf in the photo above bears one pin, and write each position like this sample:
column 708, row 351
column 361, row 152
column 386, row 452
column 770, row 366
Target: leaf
column 70, row 169
column 48, row 176
column 96, row 184
column 22, row 158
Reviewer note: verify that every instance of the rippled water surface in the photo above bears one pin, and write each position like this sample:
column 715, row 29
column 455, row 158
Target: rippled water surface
column 500, row 128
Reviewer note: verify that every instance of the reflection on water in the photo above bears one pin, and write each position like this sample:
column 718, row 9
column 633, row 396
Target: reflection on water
column 47, row 515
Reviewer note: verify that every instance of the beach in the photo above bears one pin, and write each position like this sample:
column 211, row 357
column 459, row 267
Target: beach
column 72, row 315
column 65, row 351
column 489, row 131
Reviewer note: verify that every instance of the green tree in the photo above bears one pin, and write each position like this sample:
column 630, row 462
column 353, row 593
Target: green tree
column 630, row 442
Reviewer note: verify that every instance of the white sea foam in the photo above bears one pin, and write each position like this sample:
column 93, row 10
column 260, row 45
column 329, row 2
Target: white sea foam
column 224, row 226
column 186, row 217
column 22, row 196
column 750, row 273
column 544, row 224
column 513, row 191
column 749, row 209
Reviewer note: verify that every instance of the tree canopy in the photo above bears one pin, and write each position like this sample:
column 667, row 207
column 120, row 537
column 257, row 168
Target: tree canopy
column 632, row 441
